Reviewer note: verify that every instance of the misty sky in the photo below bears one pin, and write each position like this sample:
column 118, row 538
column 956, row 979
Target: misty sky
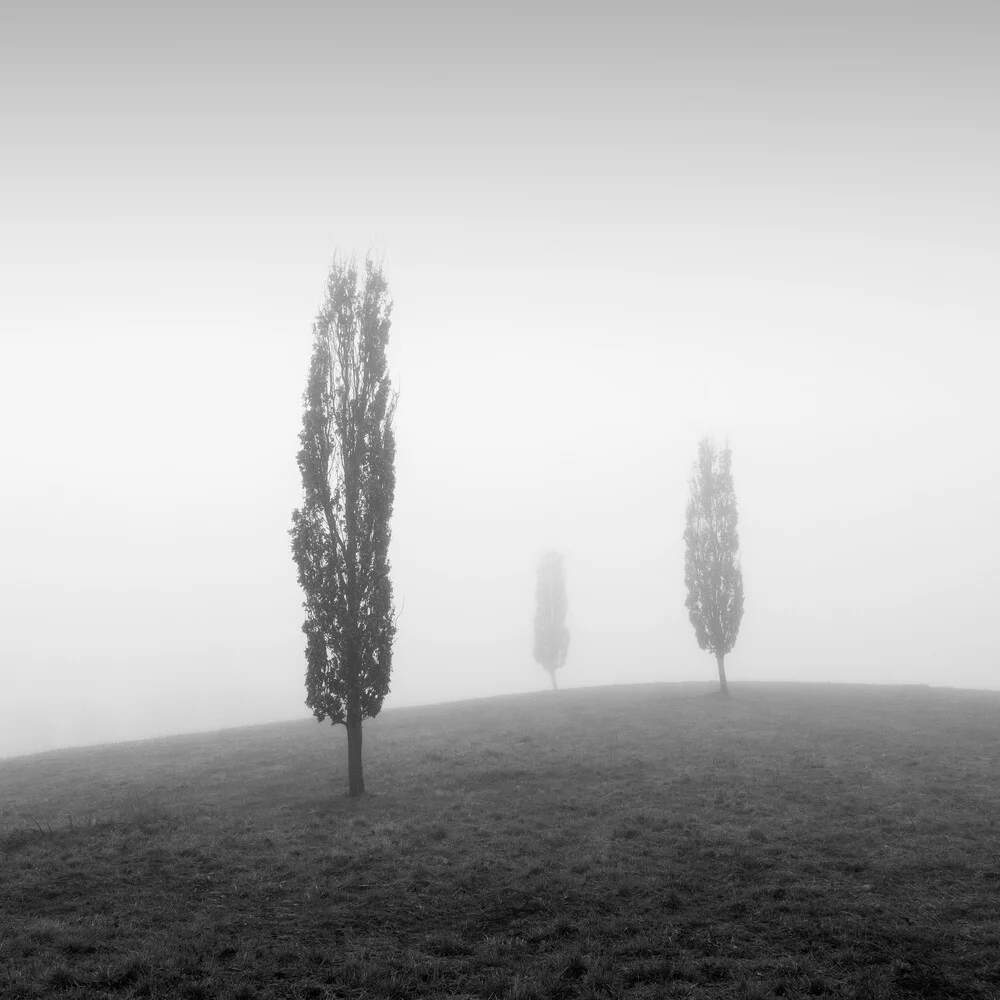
column 607, row 229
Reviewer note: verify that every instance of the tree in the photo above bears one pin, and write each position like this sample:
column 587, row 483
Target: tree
column 551, row 634
column 712, row 570
column 340, row 534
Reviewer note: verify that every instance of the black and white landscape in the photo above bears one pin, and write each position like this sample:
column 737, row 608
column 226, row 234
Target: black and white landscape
column 681, row 381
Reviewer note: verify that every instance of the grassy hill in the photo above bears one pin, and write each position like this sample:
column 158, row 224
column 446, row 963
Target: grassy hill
column 647, row 841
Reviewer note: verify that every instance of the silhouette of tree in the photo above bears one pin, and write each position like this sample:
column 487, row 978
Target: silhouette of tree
column 712, row 571
column 340, row 534
column 551, row 634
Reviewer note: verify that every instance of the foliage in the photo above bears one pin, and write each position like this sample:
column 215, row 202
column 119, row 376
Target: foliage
column 712, row 572
column 341, row 534
column 551, row 634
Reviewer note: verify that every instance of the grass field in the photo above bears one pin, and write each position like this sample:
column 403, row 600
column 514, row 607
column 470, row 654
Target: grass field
column 654, row 841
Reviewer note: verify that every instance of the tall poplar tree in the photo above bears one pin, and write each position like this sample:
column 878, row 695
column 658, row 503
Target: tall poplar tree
column 712, row 571
column 551, row 634
column 340, row 534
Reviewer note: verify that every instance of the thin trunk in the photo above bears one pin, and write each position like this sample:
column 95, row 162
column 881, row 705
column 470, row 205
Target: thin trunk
column 552, row 676
column 723, row 686
column 355, row 779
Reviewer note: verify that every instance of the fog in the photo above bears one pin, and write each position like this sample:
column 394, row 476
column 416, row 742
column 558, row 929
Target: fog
column 605, row 235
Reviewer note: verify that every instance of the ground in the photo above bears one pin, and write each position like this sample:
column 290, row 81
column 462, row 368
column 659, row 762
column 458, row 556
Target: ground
column 632, row 841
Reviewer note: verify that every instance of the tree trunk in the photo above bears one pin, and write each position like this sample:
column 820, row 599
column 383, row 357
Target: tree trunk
column 723, row 686
column 555, row 686
column 355, row 779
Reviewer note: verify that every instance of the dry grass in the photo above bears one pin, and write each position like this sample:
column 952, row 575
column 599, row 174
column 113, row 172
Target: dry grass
column 655, row 841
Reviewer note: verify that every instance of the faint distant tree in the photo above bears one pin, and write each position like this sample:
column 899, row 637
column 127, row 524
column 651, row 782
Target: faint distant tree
column 551, row 634
column 712, row 570
column 340, row 534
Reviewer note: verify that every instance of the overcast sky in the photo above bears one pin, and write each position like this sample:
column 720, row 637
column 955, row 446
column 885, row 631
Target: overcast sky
column 607, row 229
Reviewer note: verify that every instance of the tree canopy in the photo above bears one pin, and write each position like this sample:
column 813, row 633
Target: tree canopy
column 341, row 533
column 712, row 571
column 551, row 634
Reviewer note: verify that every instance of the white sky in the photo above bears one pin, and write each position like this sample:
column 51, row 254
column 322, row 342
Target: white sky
column 605, row 234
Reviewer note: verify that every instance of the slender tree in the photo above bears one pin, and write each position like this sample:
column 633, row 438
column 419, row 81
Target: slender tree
column 340, row 534
column 551, row 634
column 712, row 570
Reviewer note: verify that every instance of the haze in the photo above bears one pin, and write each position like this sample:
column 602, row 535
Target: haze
column 606, row 234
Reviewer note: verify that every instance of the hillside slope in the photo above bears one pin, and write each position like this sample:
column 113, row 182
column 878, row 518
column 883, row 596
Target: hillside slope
column 794, row 840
